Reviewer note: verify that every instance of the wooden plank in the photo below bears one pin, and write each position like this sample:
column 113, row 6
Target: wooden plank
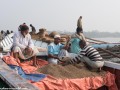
column 11, row 39
column 6, row 41
column 112, row 65
column 3, row 42
column 14, row 80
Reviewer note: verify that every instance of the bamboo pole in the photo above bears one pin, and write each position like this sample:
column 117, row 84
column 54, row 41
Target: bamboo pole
column 96, row 40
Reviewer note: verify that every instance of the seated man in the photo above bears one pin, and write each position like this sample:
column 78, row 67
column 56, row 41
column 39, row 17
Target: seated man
column 56, row 50
column 23, row 46
column 88, row 55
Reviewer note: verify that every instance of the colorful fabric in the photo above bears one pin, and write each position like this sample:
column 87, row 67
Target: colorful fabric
column 51, row 83
column 32, row 77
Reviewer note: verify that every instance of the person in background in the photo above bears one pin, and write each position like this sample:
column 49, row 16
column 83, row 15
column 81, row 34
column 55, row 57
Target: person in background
column 79, row 23
column 33, row 29
column 88, row 55
column 23, row 46
column 20, row 26
column 11, row 31
column 2, row 35
column 75, row 39
column 7, row 32
column 56, row 50
column 24, row 23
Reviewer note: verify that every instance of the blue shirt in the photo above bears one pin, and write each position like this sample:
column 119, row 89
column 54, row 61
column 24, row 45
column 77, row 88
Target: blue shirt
column 54, row 49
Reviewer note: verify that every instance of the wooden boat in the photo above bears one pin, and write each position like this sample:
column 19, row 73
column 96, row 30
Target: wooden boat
column 14, row 80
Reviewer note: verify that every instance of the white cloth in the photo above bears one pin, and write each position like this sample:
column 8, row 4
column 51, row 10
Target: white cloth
column 21, row 41
column 79, row 23
column 62, row 53
column 93, row 64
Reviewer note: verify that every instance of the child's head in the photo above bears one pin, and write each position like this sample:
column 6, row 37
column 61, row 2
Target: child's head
column 82, row 44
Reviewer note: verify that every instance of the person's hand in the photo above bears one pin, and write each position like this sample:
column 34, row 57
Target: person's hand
column 64, row 63
column 68, row 38
column 28, row 50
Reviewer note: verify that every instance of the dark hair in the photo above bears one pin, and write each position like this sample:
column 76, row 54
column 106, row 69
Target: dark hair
column 2, row 31
column 8, row 32
column 83, row 42
column 23, row 27
column 78, row 30
column 11, row 31
column 30, row 24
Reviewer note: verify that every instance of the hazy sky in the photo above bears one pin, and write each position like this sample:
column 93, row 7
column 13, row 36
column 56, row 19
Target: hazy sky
column 101, row 15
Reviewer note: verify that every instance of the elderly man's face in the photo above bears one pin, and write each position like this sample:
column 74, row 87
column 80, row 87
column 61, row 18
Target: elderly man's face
column 25, row 32
column 57, row 40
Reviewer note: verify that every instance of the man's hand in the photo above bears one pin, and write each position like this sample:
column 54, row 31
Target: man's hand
column 28, row 50
column 64, row 63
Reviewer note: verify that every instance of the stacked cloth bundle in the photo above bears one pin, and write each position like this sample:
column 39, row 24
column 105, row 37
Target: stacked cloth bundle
column 47, row 82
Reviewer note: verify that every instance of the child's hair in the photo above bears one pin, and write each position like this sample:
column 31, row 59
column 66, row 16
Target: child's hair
column 82, row 42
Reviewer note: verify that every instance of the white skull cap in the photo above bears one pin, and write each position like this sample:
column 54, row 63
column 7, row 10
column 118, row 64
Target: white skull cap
column 57, row 36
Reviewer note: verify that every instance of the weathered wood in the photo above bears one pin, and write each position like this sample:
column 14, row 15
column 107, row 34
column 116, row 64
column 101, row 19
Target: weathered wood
column 108, row 57
column 14, row 80
column 110, row 52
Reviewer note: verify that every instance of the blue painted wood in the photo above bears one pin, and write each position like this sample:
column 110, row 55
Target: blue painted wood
column 43, row 45
column 14, row 80
column 34, row 41
column 38, row 43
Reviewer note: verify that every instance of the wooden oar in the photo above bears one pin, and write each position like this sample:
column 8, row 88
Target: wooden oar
column 95, row 42
column 109, row 52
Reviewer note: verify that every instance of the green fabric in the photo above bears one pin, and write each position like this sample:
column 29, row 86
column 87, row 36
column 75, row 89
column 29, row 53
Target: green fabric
column 75, row 48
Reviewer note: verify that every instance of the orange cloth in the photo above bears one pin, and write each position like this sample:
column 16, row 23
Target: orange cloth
column 51, row 83
column 10, row 60
column 27, row 65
